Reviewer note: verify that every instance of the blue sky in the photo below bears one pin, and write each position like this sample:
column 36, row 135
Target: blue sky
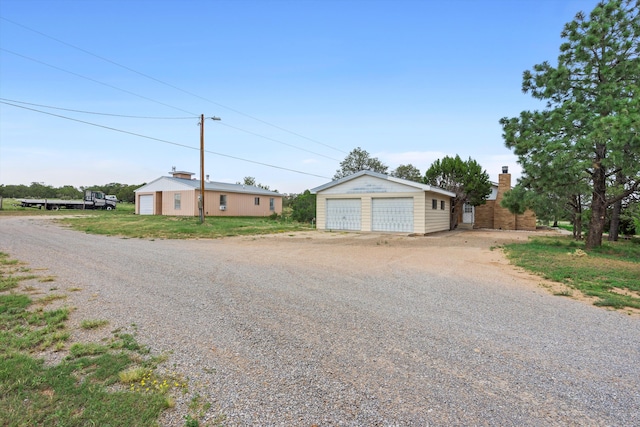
column 297, row 85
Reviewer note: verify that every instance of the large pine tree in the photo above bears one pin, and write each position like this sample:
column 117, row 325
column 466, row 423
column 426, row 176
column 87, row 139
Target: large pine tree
column 590, row 128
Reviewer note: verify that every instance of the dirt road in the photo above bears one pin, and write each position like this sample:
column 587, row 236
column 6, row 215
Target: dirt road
column 351, row 329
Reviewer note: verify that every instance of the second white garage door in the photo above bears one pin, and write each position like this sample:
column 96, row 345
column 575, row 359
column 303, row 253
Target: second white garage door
column 146, row 204
column 392, row 214
column 344, row 214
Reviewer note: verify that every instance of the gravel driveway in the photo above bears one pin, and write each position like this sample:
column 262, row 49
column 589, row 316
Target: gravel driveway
column 335, row 329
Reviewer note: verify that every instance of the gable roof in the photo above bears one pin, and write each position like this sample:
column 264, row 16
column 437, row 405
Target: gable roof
column 168, row 183
column 417, row 185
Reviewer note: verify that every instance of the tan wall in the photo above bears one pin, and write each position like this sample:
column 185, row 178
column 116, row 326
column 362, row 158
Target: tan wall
column 526, row 221
column 419, row 220
column 321, row 212
column 366, row 216
column 239, row 204
column 187, row 203
column 483, row 216
column 492, row 215
column 436, row 219
column 157, row 202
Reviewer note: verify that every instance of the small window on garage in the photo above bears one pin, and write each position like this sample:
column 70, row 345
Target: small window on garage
column 223, row 200
column 442, row 205
column 176, row 201
column 272, row 204
column 256, row 201
column 434, row 204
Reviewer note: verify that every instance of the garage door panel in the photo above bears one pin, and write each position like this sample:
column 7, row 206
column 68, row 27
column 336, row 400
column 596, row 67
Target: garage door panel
column 146, row 204
column 344, row 214
column 392, row 214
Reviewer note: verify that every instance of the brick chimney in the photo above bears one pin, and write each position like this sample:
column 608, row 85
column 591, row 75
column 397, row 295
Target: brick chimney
column 181, row 174
column 503, row 219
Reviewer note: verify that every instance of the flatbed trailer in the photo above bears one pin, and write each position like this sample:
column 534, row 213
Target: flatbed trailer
column 92, row 200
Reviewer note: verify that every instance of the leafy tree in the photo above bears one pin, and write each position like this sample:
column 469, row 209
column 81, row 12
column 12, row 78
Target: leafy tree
column 126, row 193
column 358, row 160
column 69, row 192
column 303, row 207
column 408, row 172
column 248, row 180
column 14, row 191
column 466, row 179
column 251, row 181
column 590, row 127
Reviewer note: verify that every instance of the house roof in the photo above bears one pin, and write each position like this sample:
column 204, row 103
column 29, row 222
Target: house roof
column 423, row 187
column 165, row 182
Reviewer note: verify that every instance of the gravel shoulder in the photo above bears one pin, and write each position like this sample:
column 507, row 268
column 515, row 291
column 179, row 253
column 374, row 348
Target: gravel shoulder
column 351, row 329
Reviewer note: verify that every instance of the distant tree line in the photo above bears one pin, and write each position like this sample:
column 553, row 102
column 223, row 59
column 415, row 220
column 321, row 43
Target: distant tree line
column 124, row 192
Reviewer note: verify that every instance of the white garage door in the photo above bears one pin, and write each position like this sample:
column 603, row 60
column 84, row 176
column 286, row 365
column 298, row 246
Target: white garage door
column 392, row 214
column 146, row 204
column 343, row 214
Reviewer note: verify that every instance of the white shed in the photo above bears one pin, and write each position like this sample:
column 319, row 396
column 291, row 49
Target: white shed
column 370, row 201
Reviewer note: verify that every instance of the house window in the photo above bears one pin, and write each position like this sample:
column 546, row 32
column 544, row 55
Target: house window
column 256, row 201
column 176, row 201
column 223, row 200
column 272, row 204
column 434, row 204
column 442, row 205
column 468, row 208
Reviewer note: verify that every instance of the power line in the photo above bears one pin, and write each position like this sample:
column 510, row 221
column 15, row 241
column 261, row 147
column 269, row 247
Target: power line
column 279, row 142
column 164, row 118
column 172, row 86
column 163, row 140
column 146, row 98
column 94, row 80
column 96, row 113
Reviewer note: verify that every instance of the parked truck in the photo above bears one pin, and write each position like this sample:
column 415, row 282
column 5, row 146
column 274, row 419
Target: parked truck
column 92, row 200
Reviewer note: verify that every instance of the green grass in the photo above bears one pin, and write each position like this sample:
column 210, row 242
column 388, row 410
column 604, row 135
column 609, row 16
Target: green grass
column 88, row 387
column 611, row 273
column 93, row 323
column 171, row 227
column 13, row 272
column 123, row 222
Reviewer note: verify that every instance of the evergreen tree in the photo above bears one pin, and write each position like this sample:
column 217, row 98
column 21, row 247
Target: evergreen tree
column 590, row 129
column 466, row 179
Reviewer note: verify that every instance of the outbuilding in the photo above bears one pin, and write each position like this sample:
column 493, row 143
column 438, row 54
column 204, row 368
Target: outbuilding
column 178, row 195
column 371, row 201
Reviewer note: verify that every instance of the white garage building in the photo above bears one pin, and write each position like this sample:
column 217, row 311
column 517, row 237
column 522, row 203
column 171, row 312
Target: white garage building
column 370, row 201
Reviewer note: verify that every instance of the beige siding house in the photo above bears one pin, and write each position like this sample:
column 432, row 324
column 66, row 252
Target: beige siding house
column 178, row 195
column 370, row 201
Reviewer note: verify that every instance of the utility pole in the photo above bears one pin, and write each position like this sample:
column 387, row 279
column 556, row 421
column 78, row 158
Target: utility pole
column 201, row 197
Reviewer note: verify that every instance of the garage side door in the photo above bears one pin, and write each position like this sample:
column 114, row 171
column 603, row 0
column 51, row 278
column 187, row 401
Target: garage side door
column 146, row 204
column 392, row 214
column 344, row 214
